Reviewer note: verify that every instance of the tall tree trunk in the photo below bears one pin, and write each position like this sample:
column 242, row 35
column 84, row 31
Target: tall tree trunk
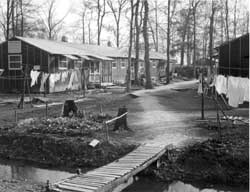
column 146, row 55
column 227, row 25
column 128, row 79
column 98, row 22
column 183, row 44
column 13, row 18
column 137, row 38
column 168, row 46
column 118, row 34
column 194, row 32
column 235, row 18
column 156, row 27
column 221, row 27
column 183, row 47
column 83, row 28
column 22, row 18
column 211, row 32
column 188, row 48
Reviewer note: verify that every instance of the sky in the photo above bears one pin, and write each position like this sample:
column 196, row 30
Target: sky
column 73, row 26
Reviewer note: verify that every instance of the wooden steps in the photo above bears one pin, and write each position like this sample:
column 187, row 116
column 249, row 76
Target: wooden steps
column 114, row 176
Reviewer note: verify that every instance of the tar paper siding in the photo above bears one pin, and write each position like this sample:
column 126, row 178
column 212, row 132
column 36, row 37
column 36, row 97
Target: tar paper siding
column 11, row 81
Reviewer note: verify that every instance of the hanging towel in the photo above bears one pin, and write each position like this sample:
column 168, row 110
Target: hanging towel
column 245, row 85
column 221, row 84
column 43, row 80
column 34, row 76
column 234, row 91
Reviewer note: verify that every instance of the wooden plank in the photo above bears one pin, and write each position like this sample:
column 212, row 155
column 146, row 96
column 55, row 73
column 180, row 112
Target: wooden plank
column 115, row 174
column 115, row 168
column 113, row 171
column 94, row 180
column 87, row 182
column 72, row 188
column 80, row 186
column 95, row 177
column 104, row 175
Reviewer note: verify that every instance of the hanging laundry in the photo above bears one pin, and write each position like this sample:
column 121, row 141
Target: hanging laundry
column 221, row 84
column 78, row 75
column 72, row 77
column 34, row 76
column 43, row 80
column 244, row 82
column 64, row 76
column 234, row 91
column 54, row 77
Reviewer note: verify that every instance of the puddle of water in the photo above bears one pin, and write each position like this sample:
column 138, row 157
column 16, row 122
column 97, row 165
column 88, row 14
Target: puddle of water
column 147, row 185
column 13, row 170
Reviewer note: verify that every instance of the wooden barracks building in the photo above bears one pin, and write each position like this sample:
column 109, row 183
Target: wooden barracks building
column 53, row 66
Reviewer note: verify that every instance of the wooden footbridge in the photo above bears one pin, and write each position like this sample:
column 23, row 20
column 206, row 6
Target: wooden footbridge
column 115, row 176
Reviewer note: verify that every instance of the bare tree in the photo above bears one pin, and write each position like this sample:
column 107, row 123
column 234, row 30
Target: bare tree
column 137, row 39
column 226, row 19
column 211, row 31
column 168, row 45
column 116, row 11
column 235, row 17
column 194, row 9
column 52, row 24
column 130, row 46
column 186, row 14
column 146, row 44
column 101, row 11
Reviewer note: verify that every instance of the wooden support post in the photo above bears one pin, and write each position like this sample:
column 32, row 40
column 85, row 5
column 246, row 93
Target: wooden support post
column 218, row 116
column 202, row 97
column 107, row 132
column 46, row 110
column 15, row 116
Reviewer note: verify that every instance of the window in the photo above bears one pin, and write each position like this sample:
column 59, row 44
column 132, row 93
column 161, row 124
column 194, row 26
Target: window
column 154, row 64
column 63, row 63
column 114, row 64
column 123, row 65
column 78, row 64
column 94, row 68
column 15, row 62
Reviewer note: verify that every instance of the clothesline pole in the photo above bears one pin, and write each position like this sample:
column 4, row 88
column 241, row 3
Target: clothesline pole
column 202, row 97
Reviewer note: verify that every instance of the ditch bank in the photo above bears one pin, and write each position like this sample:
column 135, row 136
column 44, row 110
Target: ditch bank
column 223, row 161
column 62, row 143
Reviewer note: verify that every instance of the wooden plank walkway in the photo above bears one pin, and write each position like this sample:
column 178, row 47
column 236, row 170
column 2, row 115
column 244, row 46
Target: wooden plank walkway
column 114, row 176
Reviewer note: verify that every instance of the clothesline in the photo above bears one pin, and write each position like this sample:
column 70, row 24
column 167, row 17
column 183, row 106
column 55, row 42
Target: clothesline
column 14, row 78
column 234, row 68
column 236, row 89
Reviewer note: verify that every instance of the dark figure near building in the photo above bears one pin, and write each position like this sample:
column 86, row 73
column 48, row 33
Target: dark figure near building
column 69, row 108
column 121, row 121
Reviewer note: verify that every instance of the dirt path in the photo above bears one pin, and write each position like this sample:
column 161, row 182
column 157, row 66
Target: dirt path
column 167, row 120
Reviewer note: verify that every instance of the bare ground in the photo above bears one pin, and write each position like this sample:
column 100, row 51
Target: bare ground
column 164, row 116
